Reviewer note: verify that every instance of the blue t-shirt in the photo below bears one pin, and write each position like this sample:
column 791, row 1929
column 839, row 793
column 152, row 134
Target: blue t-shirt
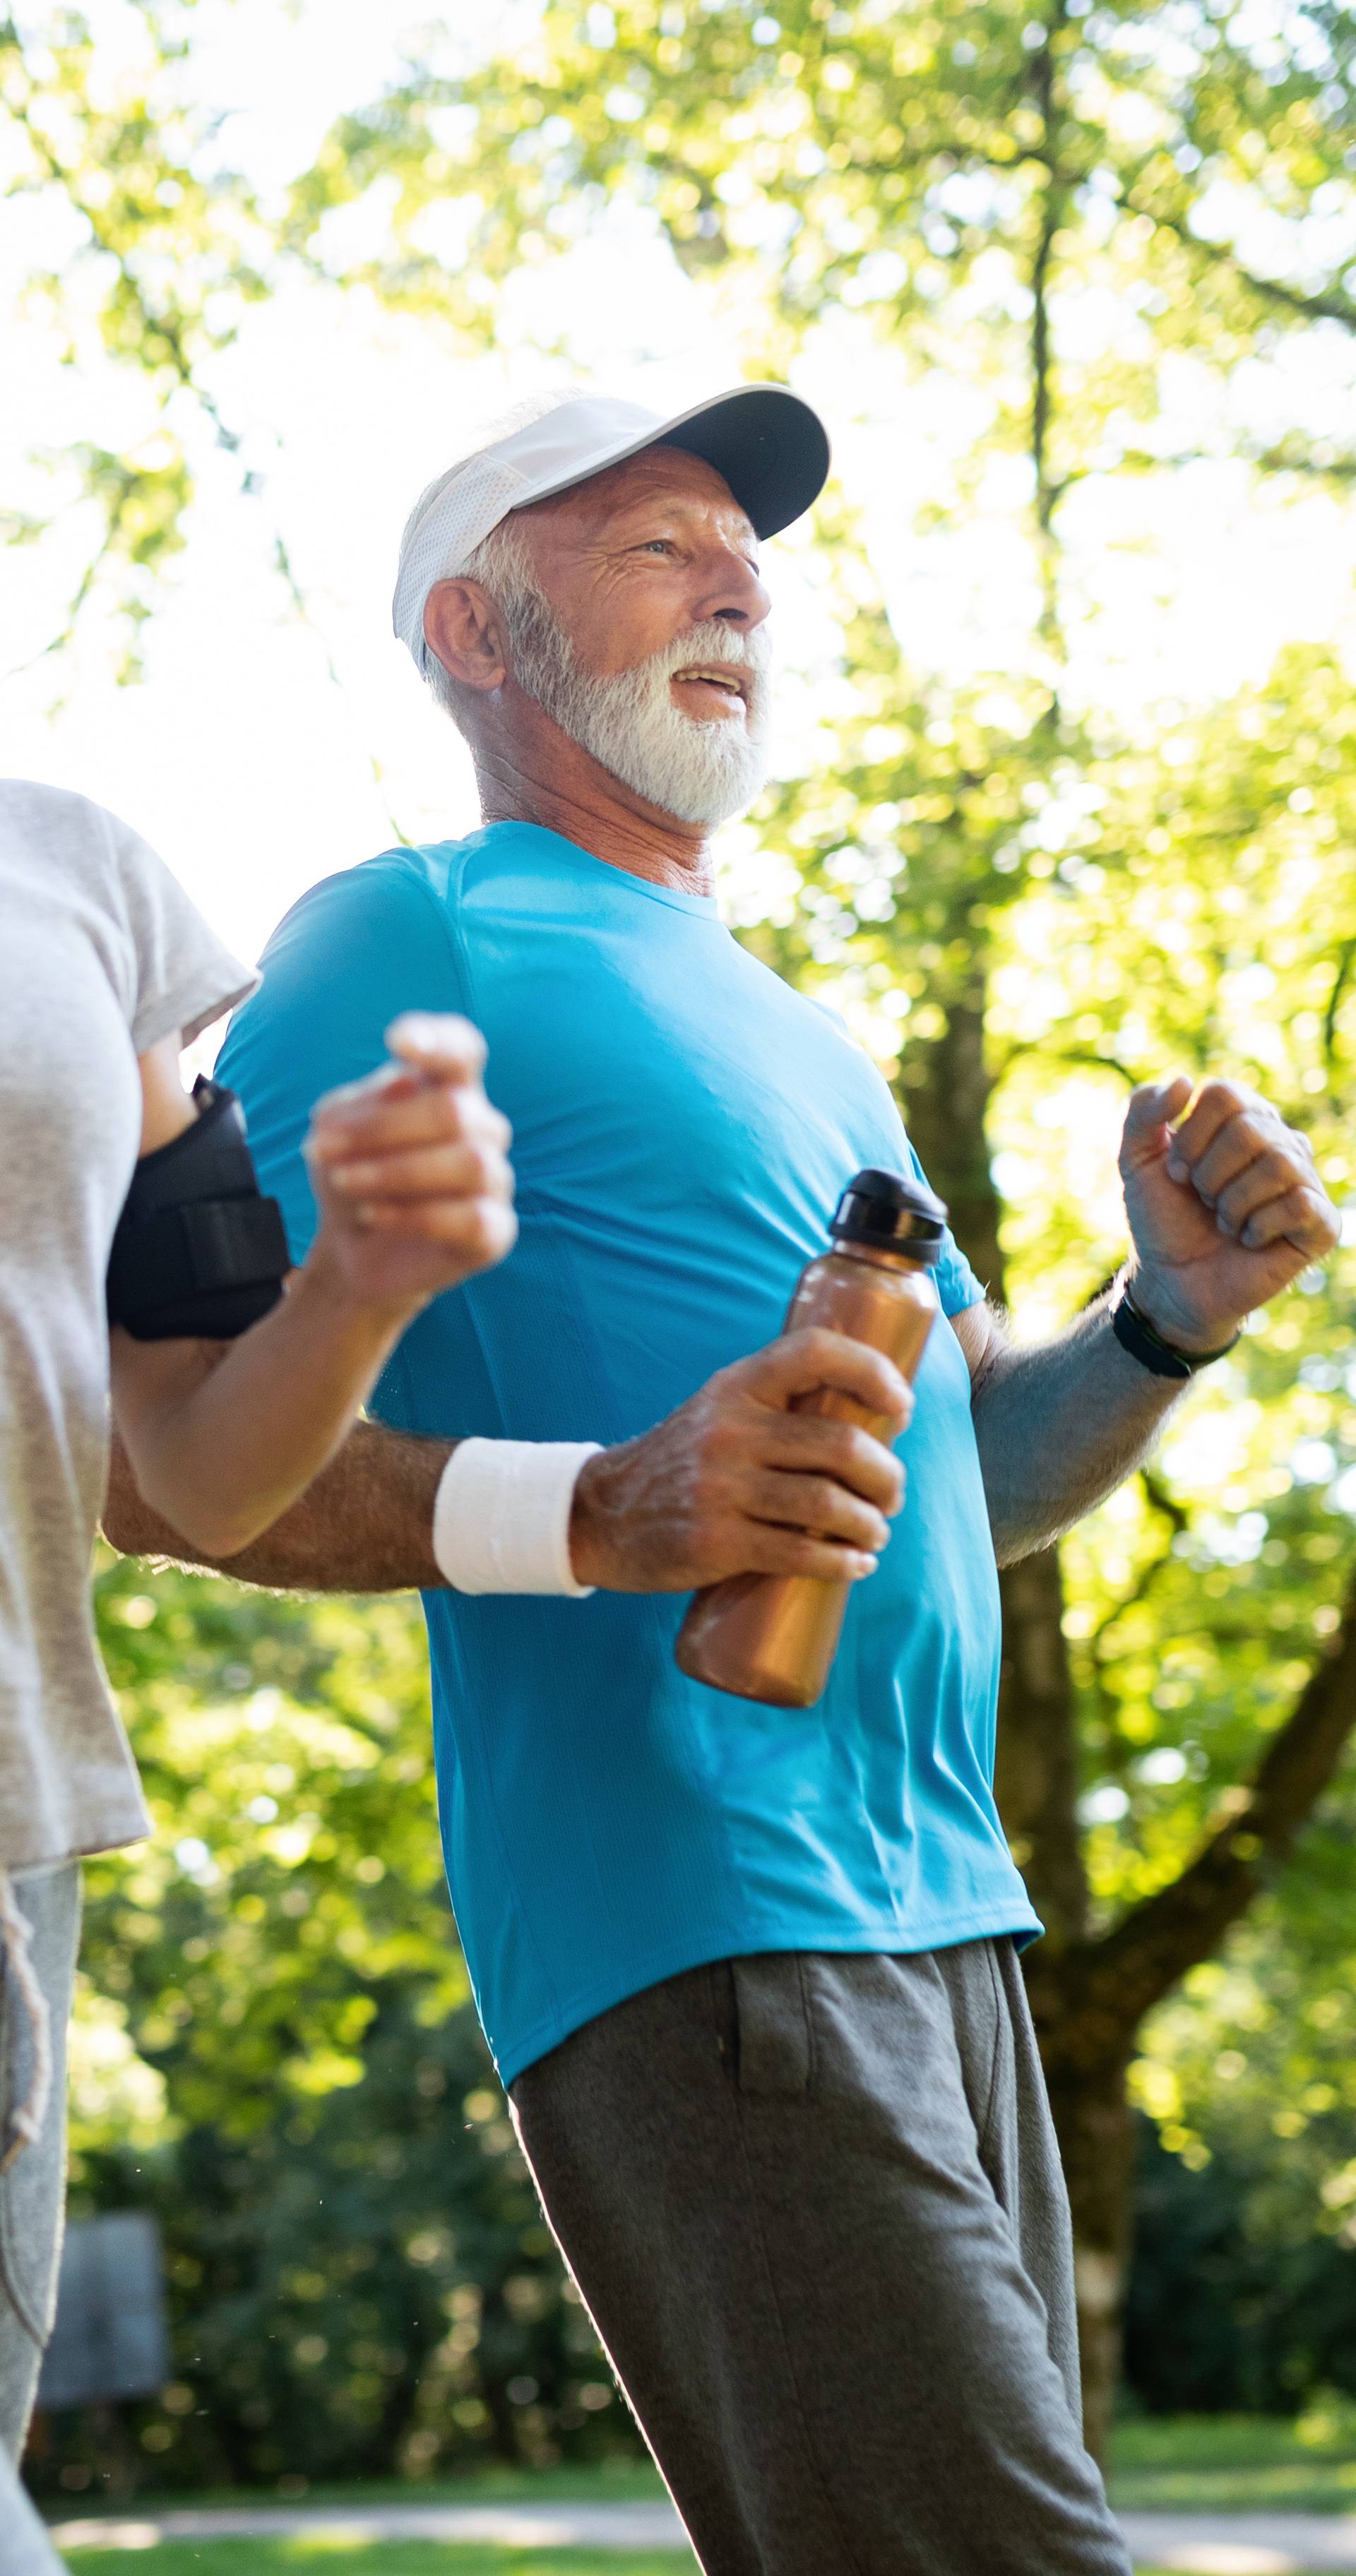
column 683, row 1123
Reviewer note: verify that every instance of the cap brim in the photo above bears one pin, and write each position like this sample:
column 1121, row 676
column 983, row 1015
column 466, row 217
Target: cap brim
column 772, row 450
column 767, row 444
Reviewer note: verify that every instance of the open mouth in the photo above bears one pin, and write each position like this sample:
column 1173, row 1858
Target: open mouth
column 713, row 688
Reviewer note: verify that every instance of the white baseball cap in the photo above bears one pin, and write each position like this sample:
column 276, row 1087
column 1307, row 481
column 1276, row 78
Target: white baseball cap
column 771, row 448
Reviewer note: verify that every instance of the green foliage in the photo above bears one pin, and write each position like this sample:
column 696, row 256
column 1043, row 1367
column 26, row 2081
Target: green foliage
column 930, row 174
column 275, row 2051
column 163, row 249
column 1054, row 206
column 1231, row 2306
column 1219, row 2463
column 1250, row 2069
column 828, row 136
column 1195, row 905
column 1186, row 901
column 283, row 1747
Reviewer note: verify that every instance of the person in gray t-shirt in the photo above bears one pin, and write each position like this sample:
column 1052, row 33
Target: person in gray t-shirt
column 106, row 972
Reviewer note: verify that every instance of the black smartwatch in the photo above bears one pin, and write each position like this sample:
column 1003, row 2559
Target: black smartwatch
column 1145, row 1343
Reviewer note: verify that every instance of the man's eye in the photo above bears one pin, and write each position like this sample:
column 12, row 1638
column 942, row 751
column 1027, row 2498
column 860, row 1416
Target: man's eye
column 657, row 546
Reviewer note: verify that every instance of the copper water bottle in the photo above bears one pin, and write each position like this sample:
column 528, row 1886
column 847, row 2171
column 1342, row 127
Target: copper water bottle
column 773, row 1637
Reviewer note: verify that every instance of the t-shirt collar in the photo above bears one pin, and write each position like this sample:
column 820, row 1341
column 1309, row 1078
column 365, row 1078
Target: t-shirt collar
column 677, row 899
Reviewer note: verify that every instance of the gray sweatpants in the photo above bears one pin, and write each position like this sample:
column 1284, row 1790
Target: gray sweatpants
column 32, row 2192
column 814, row 2204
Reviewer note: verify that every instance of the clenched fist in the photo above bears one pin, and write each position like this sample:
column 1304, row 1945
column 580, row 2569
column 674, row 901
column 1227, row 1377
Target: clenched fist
column 410, row 1168
column 735, row 1483
column 1225, row 1208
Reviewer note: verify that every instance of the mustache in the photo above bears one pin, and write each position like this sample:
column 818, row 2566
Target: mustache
column 628, row 722
column 713, row 641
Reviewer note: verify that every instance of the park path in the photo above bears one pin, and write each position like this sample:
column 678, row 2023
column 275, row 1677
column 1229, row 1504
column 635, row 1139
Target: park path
column 1242, row 2544
column 536, row 2526
column 1196, row 2544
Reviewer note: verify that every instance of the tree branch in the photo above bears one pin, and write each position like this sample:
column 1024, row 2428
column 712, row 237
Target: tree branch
column 1320, row 307
column 1090, row 2003
column 1042, row 361
column 163, row 333
column 1341, row 977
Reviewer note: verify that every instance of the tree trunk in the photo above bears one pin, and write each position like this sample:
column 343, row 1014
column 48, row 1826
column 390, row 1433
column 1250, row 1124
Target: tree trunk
column 1096, row 2135
column 1036, row 1775
column 1089, row 1996
column 946, row 1086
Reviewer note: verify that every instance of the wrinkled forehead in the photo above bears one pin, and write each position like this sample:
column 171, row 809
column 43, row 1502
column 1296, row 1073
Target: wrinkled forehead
column 660, row 479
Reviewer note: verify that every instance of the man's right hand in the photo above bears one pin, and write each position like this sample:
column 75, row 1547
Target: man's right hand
column 734, row 1482
column 410, row 1171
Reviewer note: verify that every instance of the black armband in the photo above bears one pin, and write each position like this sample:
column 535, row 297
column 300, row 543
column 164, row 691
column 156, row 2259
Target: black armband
column 199, row 1252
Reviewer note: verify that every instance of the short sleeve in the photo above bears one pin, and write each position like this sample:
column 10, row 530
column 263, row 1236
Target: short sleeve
column 957, row 1286
column 354, row 953
column 185, row 976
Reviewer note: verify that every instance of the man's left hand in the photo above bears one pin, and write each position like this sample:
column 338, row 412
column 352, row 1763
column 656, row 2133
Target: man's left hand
column 1224, row 1210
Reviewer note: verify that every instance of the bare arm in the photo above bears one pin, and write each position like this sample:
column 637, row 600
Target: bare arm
column 1058, row 1427
column 733, row 1482
column 225, row 1439
column 365, row 1524
column 414, row 1192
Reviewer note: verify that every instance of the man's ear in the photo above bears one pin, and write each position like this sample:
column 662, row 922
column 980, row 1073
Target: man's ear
column 463, row 627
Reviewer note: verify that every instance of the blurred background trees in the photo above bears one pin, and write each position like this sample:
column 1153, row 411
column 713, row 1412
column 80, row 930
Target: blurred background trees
column 1065, row 273
column 275, row 2052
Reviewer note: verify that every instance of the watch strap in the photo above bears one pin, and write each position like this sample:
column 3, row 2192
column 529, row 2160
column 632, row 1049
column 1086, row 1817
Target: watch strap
column 1146, row 1344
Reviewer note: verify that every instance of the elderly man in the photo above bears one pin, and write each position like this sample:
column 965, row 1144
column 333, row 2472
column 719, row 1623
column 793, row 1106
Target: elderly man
column 750, row 1977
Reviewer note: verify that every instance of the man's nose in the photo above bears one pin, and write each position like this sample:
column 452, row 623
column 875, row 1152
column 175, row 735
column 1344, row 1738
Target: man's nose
column 733, row 593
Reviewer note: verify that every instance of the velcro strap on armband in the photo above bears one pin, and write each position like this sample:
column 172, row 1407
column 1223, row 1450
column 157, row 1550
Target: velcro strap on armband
column 199, row 1251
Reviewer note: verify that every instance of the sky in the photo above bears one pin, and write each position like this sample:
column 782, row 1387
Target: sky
column 265, row 751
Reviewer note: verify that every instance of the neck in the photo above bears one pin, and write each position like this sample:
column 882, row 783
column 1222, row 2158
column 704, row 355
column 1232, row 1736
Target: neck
column 547, row 779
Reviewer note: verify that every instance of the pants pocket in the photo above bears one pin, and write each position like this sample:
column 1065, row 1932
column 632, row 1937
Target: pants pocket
column 773, row 2033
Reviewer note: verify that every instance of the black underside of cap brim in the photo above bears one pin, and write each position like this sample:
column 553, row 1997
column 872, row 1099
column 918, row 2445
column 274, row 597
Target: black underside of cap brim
column 770, row 447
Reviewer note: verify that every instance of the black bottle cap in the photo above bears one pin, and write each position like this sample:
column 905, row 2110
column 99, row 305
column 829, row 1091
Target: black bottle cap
column 893, row 1213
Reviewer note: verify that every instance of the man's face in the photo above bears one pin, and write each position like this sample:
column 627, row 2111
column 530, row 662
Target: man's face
column 634, row 559
column 648, row 642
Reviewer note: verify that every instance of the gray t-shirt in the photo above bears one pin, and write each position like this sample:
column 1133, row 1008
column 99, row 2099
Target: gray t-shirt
column 101, row 955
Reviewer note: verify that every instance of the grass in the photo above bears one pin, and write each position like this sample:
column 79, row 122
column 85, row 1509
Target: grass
column 382, row 2558
column 1236, row 2463
column 605, row 2482
column 370, row 2558
column 1191, row 2464
column 1187, row 2463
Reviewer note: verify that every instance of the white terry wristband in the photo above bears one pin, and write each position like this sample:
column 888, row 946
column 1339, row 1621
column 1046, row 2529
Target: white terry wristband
column 501, row 1515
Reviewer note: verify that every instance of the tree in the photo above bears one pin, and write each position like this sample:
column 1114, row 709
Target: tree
column 1138, row 944
column 160, row 250
column 275, row 2050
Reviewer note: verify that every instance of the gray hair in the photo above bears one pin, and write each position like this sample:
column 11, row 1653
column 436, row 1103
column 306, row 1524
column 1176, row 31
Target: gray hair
column 502, row 565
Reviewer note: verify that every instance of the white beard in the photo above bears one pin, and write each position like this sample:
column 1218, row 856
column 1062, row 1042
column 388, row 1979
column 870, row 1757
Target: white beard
column 699, row 769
